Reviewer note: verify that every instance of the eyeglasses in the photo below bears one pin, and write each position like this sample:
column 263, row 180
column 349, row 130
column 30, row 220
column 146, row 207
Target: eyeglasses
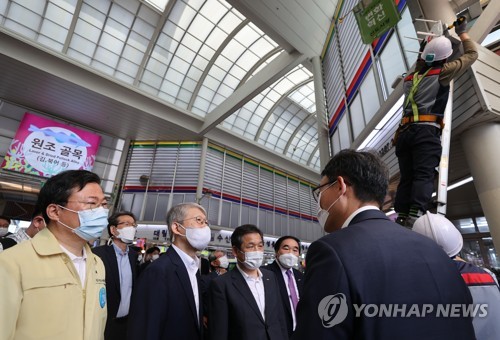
column 316, row 191
column 92, row 205
column 127, row 224
column 199, row 220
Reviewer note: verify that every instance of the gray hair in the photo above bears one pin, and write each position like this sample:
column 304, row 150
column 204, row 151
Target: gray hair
column 178, row 213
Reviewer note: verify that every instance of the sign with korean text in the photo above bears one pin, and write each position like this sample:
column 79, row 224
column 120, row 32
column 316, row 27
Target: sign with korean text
column 375, row 18
column 45, row 147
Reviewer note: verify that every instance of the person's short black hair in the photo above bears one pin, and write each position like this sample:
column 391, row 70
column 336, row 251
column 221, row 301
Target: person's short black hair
column 151, row 250
column 3, row 217
column 113, row 219
column 242, row 230
column 363, row 170
column 59, row 188
column 278, row 243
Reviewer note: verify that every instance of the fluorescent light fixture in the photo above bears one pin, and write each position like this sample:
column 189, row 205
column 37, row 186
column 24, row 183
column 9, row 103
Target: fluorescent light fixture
column 157, row 4
column 460, row 183
column 457, row 184
column 382, row 123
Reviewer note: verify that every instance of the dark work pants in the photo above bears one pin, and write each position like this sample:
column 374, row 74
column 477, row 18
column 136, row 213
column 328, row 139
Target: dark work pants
column 418, row 149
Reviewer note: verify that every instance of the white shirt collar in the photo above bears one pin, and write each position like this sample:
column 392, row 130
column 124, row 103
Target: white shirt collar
column 192, row 264
column 248, row 277
column 363, row 208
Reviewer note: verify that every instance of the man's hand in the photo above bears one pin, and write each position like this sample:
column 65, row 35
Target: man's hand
column 460, row 25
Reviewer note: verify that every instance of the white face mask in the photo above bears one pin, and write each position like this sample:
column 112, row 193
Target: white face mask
column 288, row 260
column 253, row 259
column 4, row 231
column 223, row 262
column 155, row 257
column 198, row 238
column 322, row 213
column 127, row 234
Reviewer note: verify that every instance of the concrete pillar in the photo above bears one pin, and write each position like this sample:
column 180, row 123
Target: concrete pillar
column 323, row 135
column 480, row 145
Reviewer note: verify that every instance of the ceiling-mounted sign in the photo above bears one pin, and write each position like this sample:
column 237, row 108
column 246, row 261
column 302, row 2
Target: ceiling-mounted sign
column 375, row 18
column 45, row 147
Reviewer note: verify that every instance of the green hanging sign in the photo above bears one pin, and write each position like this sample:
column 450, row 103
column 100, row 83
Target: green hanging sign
column 375, row 18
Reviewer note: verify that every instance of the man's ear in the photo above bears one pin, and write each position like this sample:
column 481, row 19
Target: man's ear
column 175, row 229
column 53, row 211
column 112, row 229
column 342, row 184
column 235, row 251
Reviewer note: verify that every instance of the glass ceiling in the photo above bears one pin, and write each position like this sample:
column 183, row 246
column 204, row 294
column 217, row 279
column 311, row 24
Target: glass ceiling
column 194, row 55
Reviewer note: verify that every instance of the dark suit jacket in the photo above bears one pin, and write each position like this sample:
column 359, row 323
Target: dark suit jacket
column 234, row 313
column 375, row 261
column 113, row 296
column 275, row 268
column 163, row 304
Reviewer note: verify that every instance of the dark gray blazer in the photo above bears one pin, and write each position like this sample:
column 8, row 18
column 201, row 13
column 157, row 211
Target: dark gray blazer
column 233, row 313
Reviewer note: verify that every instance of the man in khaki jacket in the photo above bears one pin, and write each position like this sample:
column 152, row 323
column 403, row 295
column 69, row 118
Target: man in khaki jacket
column 53, row 286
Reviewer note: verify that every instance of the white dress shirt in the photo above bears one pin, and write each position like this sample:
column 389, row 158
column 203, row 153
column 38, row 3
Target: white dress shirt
column 80, row 263
column 192, row 265
column 257, row 288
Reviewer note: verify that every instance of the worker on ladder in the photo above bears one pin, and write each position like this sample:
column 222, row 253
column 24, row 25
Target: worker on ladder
column 418, row 138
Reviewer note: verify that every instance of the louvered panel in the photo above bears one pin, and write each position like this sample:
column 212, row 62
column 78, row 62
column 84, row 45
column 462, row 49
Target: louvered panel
column 351, row 46
column 306, row 200
column 188, row 166
column 250, row 181
column 266, row 185
column 164, row 165
column 465, row 100
column 334, row 82
column 140, row 164
column 293, row 196
column 280, row 191
column 232, row 176
column 213, row 170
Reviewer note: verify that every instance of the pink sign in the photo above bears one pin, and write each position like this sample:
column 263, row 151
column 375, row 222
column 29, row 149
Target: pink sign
column 44, row 147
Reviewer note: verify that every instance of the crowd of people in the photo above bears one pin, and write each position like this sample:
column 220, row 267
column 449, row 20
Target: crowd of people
column 55, row 286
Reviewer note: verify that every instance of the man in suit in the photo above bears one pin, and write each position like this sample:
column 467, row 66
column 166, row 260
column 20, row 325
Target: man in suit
column 368, row 260
column 287, row 250
column 244, row 303
column 167, row 302
column 120, row 262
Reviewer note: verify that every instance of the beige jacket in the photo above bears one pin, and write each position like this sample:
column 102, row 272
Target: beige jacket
column 41, row 296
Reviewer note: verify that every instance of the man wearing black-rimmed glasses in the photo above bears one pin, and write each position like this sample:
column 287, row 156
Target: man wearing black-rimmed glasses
column 167, row 302
column 120, row 262
column 368, row 260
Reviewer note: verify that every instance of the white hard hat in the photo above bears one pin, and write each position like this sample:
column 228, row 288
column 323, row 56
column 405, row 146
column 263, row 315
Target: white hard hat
column 437, row 49
column 441, row 230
